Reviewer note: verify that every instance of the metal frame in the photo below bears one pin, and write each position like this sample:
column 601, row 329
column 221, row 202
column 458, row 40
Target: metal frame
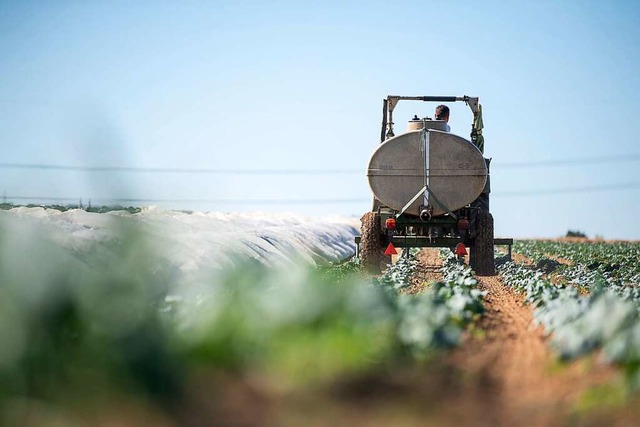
column 389, row 104
column 441, row 242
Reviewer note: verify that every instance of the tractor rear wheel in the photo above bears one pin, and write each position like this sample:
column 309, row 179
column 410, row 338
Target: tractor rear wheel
column 481, row 257
column 372, row 255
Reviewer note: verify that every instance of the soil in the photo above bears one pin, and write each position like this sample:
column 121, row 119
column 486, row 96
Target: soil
column 502, row 374
column 427, row 272
column 511, row 373
column 521, row 259
column 559, row 259
column 526, row 383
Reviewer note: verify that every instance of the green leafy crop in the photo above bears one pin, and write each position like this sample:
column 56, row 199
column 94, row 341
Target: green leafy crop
column 607, row 316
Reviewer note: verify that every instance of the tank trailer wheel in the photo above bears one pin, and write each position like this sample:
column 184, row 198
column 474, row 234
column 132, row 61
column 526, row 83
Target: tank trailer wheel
column 372, row 242
column 481, row 256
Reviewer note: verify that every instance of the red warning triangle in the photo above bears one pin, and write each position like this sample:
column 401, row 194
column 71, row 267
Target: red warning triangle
column 461, row 249
column 391, row 250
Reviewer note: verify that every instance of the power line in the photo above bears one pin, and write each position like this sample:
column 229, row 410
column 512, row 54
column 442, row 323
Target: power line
column 587, row 189
column 570, row 162
column 201, row 201
column 508, row 194
column 127, row 169
column 295, row 171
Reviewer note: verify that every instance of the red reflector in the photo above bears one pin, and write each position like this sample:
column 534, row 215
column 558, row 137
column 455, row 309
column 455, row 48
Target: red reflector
column 463, row 224
column 391, row 250
column 390, row 223
column 461, row 249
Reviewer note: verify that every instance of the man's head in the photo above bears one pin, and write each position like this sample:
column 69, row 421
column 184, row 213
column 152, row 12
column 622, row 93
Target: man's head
column 442, row 113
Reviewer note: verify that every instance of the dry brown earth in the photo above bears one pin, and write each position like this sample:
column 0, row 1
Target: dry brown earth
column 428, row 271
column 503, row 374
column 512, row 358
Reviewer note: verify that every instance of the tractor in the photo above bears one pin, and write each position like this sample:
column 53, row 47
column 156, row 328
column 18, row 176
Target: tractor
column 430, row 189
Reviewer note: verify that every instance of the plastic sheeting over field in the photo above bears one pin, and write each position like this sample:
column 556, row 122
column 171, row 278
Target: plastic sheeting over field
column 198, row 242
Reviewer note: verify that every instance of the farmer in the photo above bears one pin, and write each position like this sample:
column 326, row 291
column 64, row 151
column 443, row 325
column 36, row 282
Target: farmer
column 442, row 113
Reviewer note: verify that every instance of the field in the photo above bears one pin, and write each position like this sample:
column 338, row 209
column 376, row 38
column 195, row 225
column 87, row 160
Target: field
column 132, row 319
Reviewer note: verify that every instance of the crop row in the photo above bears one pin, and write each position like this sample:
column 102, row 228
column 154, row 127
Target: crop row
column 580, row 323
column 617, row 263
column 434, row 318
column 615, row 266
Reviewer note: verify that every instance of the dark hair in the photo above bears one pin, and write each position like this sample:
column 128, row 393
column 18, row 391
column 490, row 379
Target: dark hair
column 442, row 111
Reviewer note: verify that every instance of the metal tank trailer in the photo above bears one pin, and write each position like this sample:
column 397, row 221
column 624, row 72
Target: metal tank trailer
column 430, row 189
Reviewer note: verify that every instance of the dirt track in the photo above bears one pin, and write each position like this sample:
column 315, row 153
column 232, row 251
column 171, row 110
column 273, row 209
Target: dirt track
column 524, row 384
column 428, row 271
column 512, row 358
column 502, row 374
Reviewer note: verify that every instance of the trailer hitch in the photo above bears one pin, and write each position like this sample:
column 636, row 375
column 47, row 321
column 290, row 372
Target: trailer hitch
column 427, row 208
column 426, row 212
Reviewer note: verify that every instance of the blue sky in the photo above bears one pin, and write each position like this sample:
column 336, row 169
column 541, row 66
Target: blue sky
column 299, row 85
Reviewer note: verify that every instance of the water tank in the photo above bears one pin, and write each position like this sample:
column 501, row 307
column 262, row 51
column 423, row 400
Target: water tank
column 455, row 171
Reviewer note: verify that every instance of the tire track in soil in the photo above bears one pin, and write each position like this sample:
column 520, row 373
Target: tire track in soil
column 427, row 271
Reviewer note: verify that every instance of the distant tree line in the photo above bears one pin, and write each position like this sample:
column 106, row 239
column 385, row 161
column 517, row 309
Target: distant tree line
column 63, row 208
column 576, row 233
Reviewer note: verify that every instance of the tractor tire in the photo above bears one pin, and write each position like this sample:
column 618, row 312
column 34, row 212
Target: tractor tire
column 372, row 257
column 481, row 257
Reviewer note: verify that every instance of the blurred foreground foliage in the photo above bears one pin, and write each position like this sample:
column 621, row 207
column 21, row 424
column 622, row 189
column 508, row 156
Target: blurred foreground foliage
column 81, row 326
column 77, row 324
